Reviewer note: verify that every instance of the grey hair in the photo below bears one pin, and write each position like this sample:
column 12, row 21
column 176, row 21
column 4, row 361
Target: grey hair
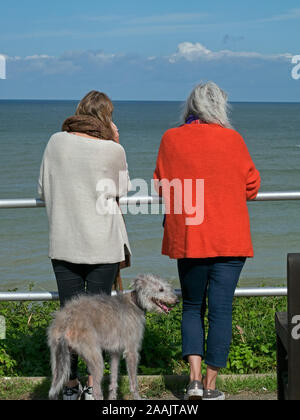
column 208, row 102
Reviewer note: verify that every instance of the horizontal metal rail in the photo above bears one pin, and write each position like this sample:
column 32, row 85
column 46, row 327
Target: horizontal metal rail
column 52, row 296
column 130, row 200
column 36, row 202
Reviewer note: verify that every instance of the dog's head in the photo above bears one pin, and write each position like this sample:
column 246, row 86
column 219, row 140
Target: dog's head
column 154, row 294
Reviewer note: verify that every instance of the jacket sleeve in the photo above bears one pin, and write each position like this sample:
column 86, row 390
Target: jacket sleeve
column 157, row 175
column 156, row 180
column 253, row 182
column 41, row 182
column 124, row 179
column 253, row 179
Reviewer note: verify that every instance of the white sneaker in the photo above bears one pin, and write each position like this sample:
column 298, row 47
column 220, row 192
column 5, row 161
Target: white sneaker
column 194, row 391
column 213, row 394
column 73, row 393
column 88, row 393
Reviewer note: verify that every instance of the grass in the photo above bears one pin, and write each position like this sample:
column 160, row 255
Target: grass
column 151, row 387
column 251, row 383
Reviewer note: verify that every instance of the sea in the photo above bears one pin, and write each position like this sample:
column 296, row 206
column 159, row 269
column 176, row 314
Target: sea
column 271, row 132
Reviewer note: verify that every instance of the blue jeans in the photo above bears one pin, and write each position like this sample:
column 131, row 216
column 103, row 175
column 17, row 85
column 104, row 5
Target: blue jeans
column 215, row 278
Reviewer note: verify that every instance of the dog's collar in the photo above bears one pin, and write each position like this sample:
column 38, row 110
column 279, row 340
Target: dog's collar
column 135, row 301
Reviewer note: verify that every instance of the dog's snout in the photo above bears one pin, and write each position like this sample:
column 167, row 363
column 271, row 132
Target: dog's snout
column 175, row 300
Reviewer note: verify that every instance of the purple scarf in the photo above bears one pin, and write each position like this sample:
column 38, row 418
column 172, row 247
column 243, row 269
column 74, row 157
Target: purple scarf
column 191, row 118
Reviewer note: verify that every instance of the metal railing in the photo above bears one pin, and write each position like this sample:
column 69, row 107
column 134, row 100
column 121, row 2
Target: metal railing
column 131, row 200
column 52, row 296
column 10, row 203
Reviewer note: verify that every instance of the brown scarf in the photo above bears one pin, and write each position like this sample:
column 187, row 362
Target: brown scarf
column 89, row 125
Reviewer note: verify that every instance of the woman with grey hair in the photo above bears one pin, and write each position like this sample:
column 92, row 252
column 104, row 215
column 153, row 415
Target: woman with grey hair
column 208, row 104
column 212, row 249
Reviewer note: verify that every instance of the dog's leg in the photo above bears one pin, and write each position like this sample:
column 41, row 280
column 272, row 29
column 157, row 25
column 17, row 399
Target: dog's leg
column 114, row 369
column 132, row 358
column 95, row 366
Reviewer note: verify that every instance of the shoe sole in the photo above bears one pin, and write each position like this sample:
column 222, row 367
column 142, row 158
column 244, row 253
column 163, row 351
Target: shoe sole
column 74, row 399
column 89, row 398
column 194, row 395
column 220, row 398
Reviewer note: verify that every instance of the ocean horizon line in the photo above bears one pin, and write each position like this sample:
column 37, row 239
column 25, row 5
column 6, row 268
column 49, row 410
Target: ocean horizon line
column 145, row 101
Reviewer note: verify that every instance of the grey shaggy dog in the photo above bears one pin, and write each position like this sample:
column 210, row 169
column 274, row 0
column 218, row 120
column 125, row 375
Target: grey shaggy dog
column 87, row 325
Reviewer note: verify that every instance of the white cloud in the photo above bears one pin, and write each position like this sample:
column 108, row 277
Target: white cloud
column 99, row 62
column 190, row 52
column 37, row 57
column 68, row 63
column 193, row 52
column 89, row 55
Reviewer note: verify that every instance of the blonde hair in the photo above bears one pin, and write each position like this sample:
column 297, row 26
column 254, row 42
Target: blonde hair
column 209, row 103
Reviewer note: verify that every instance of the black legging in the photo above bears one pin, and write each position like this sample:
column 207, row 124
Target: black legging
column 74, row 279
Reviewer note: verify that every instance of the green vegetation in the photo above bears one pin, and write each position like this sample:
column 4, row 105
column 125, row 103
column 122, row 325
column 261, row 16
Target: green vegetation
column 24, row 352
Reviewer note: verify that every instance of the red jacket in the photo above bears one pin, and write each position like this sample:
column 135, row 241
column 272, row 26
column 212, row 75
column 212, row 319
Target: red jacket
column 219, row 157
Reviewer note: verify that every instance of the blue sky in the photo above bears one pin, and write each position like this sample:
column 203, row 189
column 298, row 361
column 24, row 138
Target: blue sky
column 154, row 50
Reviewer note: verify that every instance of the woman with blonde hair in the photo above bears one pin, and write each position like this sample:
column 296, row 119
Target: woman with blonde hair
column 211, row 253
column 82, row 175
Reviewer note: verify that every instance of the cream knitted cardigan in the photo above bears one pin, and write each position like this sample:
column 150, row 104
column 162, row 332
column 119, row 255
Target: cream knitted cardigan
column 80, row 179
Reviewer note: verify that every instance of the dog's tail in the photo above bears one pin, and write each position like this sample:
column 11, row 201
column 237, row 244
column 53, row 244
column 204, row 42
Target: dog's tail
column 60, row 365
